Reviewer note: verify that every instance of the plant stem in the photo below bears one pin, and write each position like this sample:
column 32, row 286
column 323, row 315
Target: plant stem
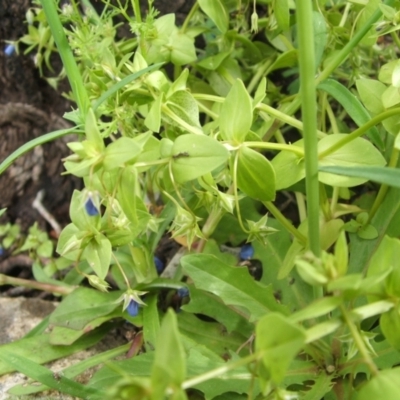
column 285, row 222
column 309, row 113
column 359, row 132
column 46, row 287
column 220, row 370
column 67, row 57
column 359, row 341
column 189, row 17
column 276, row 146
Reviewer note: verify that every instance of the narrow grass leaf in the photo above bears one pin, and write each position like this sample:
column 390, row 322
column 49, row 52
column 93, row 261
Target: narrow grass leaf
column 113, row 89
column 383, row 175
column 353, row 107
column 46, row 376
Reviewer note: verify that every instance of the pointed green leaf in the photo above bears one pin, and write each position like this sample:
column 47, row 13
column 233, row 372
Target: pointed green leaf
column 82, row 306
column 233, row 285
column 370, row 91
column 236, row 115
column 153, row 118
column 217, row 13
column 255, row 175
column 279, row 340
column 98, row 255
column 169, row 368
column 353, row 106
column 119, row 152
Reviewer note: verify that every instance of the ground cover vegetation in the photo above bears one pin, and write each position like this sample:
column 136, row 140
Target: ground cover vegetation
column 261, row 138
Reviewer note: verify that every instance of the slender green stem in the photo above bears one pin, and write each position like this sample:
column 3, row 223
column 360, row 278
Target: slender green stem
column 260, row 72
column 67, row 57
column 189, row 16
column 341, row 56
column 220, row 370
column 359, row 341
column 309, row 113
column 359, row 132
column 122, row 271
column 285, row 222
column 46, row 287
column 276, row 146
column 136, row 10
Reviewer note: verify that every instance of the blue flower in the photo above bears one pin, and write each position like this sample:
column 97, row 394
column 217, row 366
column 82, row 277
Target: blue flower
column 133, row 308
column 159, row 265
column 9, row 49
column 132, row 300
column 183, row 292
column 90, row 208
column 246, row 252
column 1, row 251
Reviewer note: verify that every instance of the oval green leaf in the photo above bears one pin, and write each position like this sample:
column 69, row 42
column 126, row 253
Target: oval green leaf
column 196, row 155
column 255, row 175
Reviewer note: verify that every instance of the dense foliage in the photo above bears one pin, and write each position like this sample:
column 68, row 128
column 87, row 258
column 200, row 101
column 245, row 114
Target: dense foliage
column 262, row 138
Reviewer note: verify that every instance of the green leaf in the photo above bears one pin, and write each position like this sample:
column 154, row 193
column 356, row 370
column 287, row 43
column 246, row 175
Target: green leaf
column 358, row 152
column 169, row 368
column 362, row 250
column 46, row 376
column 279, row 340
column 282, row 14
column 72, row 371
column 317, row 309
column 196, row 155
column 82, row 306
column 289, row 167
column 213, row 62
column 255, row 175
column 383, row 175
column 39, row 350
column 353, row 107
column 119, row 152
column 151, row 322
column 384, row 386
column 236, row 115
column 202, row 302
column 370, row 91
column 153, row 118
column 92, row 131
column 183, row 104
column 390, row 325
column 391, row 97
column 233, row 285
column 98, row 255
column 182, row 48
column 123, row 82
column 79, row 216
column 217, row 13
column 386, row 257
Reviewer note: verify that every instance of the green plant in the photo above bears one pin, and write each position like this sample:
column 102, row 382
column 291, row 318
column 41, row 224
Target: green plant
column 323, row 322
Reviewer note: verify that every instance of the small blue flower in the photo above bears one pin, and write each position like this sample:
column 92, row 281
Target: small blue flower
column 133, row 308
column 183, row 292
column 9, row 49
column 90, row 208
column 1, row 251
column 246, row 252
column 159, row 265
